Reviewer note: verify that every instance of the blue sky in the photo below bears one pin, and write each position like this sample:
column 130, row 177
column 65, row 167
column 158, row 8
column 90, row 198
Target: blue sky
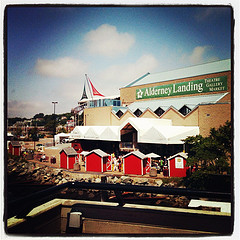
column 50, row 49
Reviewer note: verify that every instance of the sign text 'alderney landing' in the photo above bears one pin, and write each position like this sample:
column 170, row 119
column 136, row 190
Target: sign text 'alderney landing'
column 192, row 87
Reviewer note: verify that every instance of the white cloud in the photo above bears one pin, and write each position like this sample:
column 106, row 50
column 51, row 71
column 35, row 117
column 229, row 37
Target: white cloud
column 205, row 13
column 199, row 54
column 24, row 108
column 118, row 76
column 107, row 41
column 29, row 108
column 65, row 67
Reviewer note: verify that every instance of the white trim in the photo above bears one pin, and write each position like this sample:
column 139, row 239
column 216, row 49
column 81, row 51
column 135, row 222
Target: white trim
column 67, row 162
column 169, row 168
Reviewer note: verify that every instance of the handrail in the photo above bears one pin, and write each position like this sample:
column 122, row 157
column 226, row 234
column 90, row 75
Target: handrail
column 26, row 204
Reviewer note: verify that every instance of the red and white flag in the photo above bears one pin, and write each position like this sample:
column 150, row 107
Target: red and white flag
column 95, row 92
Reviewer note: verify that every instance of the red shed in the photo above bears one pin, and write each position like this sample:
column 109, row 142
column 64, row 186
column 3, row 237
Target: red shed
column 14, row 148
column 135, row 163
column 177, row 165
column 68, row 157
column 96, row 161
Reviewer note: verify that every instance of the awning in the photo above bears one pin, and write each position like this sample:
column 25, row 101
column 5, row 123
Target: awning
column 153, row 155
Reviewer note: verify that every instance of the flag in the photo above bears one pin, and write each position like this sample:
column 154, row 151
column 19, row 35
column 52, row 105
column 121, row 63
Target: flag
column 95, row 92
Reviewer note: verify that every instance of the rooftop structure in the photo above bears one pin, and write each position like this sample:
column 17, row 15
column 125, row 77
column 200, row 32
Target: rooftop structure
column 197, row 70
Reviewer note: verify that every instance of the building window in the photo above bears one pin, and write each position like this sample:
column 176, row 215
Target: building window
column 159, row 111
column 138, row 113
column 119, row 113
column 185, row 110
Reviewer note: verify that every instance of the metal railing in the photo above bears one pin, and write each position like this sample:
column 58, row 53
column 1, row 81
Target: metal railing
column 26, row 204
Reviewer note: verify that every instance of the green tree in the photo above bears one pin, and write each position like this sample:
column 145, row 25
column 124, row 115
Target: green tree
column 49, row 126
column 33, row 133
column 39, row 115
column 212, row 153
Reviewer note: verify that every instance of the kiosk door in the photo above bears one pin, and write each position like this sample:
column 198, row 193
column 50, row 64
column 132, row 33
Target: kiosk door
column 109, row 164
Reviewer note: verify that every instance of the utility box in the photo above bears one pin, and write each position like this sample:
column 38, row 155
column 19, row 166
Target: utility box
column 96, row 161
column 68, row 157
column 177, row 165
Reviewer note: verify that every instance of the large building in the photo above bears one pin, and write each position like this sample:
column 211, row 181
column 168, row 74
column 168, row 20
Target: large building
column 156, row 112
column 194, row 96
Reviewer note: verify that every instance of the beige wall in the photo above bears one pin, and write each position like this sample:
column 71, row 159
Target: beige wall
column 204, row 116
column 149, row 114
column 213, row 115
column 118, row 121
column 179, row 120
column 100, row 116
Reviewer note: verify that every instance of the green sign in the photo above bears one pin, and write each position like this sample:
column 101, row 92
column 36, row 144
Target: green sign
column 206, row 85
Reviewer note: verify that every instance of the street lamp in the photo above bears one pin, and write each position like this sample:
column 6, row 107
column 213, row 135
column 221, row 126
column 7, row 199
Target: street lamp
column 54, row 127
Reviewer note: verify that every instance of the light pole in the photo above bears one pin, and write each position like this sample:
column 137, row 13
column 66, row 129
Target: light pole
column 54, row 127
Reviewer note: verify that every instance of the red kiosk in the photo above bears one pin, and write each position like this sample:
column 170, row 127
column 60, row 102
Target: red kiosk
column 177, row 165
column 68, row 157
column 135, row 163
column 96, row 161
column 15, row 148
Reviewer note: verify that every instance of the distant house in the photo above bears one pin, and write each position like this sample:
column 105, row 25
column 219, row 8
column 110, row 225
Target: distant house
column 68, row 157
column 96, row 161
column 14, row 148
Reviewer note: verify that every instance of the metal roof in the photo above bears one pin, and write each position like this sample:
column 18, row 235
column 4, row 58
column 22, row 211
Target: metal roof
column 137, row 154
column 197, row 70
column 99, row 152
column 69, row 151
column 181, row 154
column 15, row 144
column 177, row 103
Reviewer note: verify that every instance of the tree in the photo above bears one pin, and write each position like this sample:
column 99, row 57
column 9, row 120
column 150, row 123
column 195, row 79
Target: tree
column 212, row 153
column 39, row 115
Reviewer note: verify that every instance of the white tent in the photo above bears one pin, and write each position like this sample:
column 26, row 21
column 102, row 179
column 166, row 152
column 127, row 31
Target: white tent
column 103, row 133
column 110, row 133
column 153, row 155
column 78, row 132
column 167, row 134
column 158, row 131
column 60, row 136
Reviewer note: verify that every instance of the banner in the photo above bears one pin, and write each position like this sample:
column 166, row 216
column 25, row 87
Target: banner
column 179, row 162
column 206, row 85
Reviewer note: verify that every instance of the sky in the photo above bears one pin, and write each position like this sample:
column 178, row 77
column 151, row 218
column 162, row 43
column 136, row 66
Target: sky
column 50, row 49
